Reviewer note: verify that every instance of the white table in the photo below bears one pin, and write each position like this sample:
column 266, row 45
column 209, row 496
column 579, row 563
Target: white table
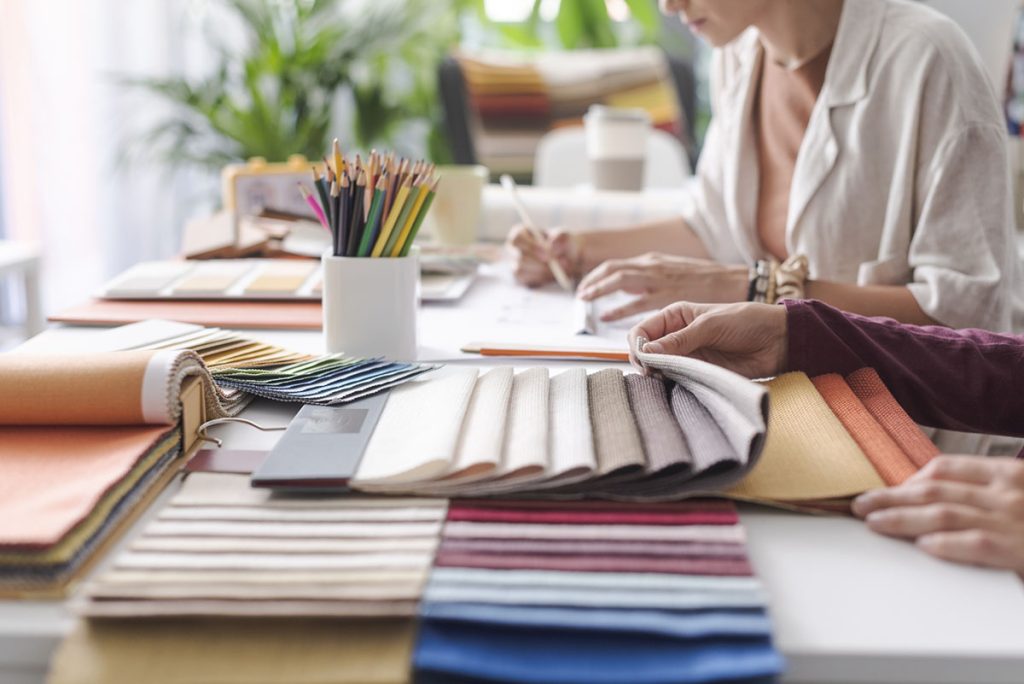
column 848, row 606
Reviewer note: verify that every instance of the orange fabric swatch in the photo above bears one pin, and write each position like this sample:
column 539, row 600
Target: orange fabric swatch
column 892, row 464
column 873, row 393
column 52, row 477
column 274, row 315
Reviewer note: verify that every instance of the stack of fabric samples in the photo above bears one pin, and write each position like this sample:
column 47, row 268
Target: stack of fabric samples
column 240, row 363
column 222, row 548
column 589, row 592
column 514, row 101
column 692, row 429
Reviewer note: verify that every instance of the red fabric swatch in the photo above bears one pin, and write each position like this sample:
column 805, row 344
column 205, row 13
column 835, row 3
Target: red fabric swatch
column 587, row 563
column 592, row 517
column 564, row 547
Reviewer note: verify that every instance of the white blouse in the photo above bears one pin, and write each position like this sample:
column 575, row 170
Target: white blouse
column 902, row 176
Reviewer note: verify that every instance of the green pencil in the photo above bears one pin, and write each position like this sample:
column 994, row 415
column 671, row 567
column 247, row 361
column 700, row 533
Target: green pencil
column 419, row 219
column 403, row 217
column 373, row 221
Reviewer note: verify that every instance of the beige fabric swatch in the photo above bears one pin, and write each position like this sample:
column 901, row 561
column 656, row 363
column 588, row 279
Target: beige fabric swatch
column 236, row 652
column 432, row 410
column 269, row 608
column 571, row 438
column 398, row 513
column 808, row 454
column 203, row 528
column 260, row 545
column 616, row 438
column 351, row 576
column 141, row 560
column 677, row 533
column 483, row 432
column 526, row 438
column 230, row 490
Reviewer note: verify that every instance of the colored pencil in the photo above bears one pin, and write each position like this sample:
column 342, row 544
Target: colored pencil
column 556, row 268
column 373, row 224
column 391, row 220
column 421, row 196
column 431, row 191
column 343, row 211
column 356, row 218
column 311, row 201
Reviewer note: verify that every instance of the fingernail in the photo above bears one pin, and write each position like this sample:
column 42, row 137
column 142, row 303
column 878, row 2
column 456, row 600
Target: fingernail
column 877, row 518
column 652, row 348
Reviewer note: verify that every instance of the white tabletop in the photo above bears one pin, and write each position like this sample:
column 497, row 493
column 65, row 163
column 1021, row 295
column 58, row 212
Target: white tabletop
column 848, row 606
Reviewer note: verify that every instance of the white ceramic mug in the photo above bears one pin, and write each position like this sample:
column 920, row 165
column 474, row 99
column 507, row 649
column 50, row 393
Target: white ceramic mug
column 616, row 146
column 454, row 216
column 369, row 305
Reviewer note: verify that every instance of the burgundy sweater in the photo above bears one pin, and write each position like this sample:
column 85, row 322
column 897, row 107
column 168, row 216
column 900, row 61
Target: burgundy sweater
column 967, row 380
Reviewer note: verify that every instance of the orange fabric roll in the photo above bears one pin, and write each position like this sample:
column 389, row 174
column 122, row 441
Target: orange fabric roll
column 892, row 463
column 873, row 393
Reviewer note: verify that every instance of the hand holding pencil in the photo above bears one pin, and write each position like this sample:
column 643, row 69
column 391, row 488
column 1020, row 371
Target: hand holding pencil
column 540, row 255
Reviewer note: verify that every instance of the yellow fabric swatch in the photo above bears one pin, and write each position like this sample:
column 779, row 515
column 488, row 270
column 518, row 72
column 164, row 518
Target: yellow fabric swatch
column 226, row 651
column 808, row 454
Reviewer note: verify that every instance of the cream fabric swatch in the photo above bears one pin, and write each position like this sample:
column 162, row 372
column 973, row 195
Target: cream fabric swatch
column 285, row 530
column 398, row 513
column 483, row 432
column 808, row 454
column 236, row 652
column 526, row 439
column 616, row 438
column 141, row 560
column 570, row 438
column 432, row 412
column 287, row 545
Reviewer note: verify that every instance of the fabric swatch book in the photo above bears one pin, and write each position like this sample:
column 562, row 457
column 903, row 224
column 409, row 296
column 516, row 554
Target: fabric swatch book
column 85, row 442
column 691, row 429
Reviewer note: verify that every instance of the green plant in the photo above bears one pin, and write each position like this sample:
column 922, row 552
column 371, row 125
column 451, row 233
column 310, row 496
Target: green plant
column 275, row 97
column 582, row 24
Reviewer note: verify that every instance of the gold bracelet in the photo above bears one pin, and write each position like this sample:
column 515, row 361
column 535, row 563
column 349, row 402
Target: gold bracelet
column 790, row 278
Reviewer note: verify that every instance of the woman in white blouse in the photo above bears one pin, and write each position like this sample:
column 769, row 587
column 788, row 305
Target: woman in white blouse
column 861, row 135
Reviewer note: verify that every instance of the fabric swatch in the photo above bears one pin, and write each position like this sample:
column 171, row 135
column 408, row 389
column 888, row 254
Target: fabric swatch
column 567, row 516
column 526, row 439
column 708, row 445
column 616, row 438
column 433, row 410
column 238, row 651
column 479, row 450
column 556, row 656
column 808, row 453
column 892, row 464
column 685, row 625
column 571, row 438
column 688, row 565
column 676, row 533
column 662, row 436
column 873, row 393
column 535, row 547
column 612, row 581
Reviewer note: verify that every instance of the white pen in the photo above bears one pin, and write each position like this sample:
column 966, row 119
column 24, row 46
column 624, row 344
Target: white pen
column 556, row 268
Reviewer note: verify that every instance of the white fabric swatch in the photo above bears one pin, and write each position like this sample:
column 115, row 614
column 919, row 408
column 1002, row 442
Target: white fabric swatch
column 526, row 436
column 418, row 431
column 186, row 528
column 601, row 596
column 483, row 433
column 258, row 545
column 267, row 577
column 570, row 437
column 253, row 513
column 640, row 581
column 267, row 561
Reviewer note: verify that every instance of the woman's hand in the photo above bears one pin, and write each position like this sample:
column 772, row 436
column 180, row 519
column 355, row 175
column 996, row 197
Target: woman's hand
column 531, row 256
column 660, row 279
column 967, row 509
column 749, row 339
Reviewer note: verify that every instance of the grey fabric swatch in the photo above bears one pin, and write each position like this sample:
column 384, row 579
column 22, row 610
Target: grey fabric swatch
column 662, row 437
column 616, row 438
column 708, row 445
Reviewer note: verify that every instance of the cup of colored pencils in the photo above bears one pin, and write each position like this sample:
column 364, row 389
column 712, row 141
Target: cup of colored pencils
column 374, row 208
column 373, row 211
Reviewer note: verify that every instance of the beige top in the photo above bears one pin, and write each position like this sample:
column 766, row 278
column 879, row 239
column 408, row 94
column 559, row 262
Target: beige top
column 901, row 176
column 782, row 108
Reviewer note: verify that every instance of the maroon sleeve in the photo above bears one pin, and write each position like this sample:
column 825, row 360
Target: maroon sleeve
column 968, row 380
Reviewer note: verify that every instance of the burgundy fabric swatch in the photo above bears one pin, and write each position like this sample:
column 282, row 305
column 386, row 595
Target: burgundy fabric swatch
column 689, row 505
column 662, row 438
column 698, row 565
column 591, row 517
column 593, row 547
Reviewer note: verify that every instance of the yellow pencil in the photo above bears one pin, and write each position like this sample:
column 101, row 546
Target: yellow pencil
column 421, row 196
column 396, row 209
column 339, row 164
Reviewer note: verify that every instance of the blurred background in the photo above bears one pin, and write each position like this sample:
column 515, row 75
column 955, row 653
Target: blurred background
column 116, row 117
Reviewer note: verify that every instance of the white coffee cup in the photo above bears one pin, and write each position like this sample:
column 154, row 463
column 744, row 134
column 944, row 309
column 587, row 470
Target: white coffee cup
column 369, row 305
column 454, row 216
column 616, row 146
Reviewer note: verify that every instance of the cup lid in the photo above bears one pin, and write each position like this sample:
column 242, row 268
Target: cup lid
column 599, row 111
